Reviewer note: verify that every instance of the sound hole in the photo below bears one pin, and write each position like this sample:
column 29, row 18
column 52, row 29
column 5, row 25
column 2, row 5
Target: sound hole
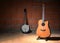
column 43, row 24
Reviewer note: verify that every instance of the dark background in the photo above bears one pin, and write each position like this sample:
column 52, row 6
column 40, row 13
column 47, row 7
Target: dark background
column 12, row 14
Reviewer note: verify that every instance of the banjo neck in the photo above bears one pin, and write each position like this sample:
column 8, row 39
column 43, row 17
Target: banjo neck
column 25, row 17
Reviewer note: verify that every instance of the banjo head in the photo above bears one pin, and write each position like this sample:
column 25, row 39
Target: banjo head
column 25, row 28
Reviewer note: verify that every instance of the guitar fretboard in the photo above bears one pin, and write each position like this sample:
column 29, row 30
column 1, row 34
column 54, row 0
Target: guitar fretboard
column 43, row 12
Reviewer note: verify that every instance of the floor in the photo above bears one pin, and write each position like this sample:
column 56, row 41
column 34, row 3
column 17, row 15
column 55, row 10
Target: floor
column 25, row 38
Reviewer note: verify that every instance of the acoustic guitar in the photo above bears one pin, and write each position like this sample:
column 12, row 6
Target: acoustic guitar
column 25, row 26
column 43, row 30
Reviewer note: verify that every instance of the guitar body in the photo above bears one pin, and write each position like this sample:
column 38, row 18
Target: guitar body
column 43, row 30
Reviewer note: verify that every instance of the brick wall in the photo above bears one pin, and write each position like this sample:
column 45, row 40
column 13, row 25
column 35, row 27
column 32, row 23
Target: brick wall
column 12, row 14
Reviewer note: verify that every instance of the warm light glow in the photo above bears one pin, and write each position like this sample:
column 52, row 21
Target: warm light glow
column 25, row 38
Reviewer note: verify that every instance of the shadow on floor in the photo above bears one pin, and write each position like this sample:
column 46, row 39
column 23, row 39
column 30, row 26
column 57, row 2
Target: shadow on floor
column 50, row 38
column 53, row 38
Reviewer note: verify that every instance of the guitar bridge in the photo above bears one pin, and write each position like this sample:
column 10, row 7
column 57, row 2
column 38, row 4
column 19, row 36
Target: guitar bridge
column 43, row 30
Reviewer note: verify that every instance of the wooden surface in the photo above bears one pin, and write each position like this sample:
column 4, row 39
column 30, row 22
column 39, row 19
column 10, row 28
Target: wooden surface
column 25, row 38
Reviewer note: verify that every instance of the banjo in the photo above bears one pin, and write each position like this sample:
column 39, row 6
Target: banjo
column 25, row 26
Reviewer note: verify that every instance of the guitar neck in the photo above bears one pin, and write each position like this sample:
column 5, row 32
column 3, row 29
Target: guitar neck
column 43, row 12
